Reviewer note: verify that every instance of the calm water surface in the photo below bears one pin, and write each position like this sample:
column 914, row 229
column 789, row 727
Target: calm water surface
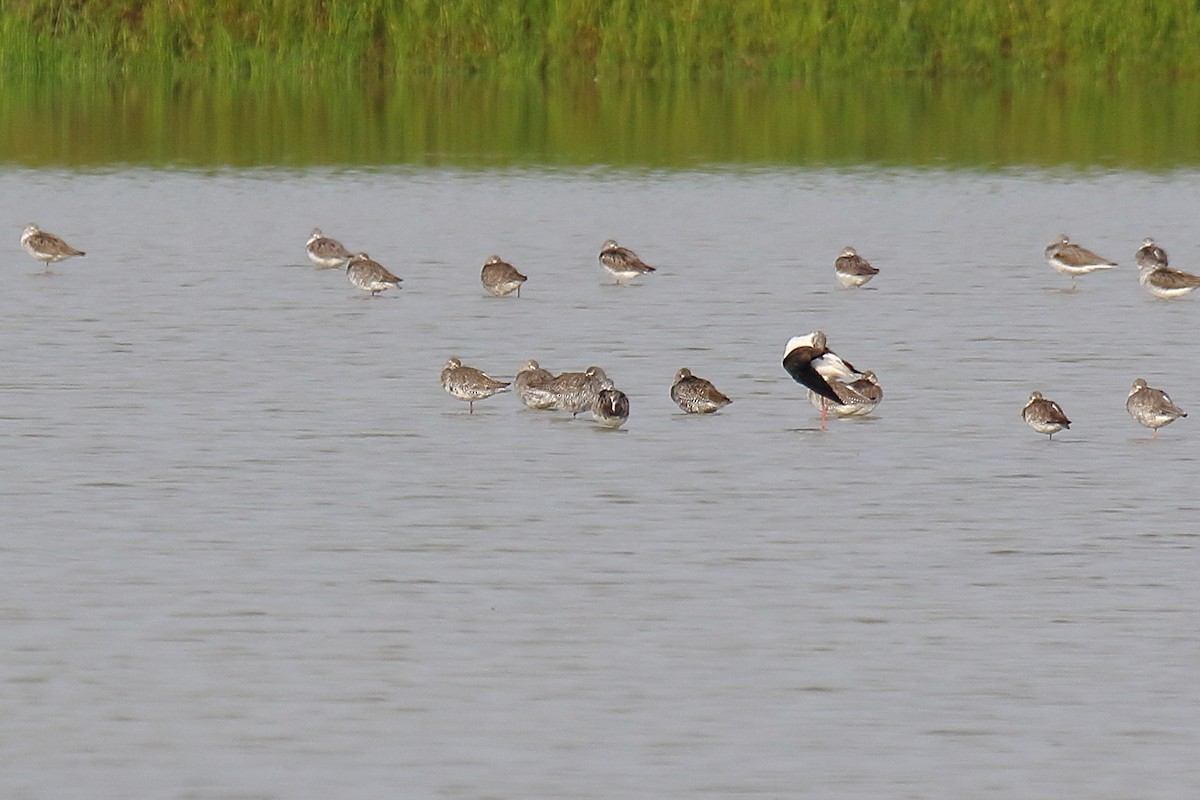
column 252, row 550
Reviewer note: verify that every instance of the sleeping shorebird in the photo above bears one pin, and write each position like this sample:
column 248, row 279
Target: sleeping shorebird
column 1150, row 255
column 811, row 363
column 500, row 277
column 530, row 384
column 1044, row 416
column 569, row 391
column 1071, row 259
column 859, row 397
column 853, row 270
column 370, row 276
column 468, row 383
column 563, row 392
column 45, row 246
column 695, row 395
column 610, row 408
column 324, row 252
column 621, row 262
column 575, row 395
column 1151, row 407
column 1159, row 279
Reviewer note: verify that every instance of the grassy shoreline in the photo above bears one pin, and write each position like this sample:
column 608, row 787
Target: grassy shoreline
column 665, row 39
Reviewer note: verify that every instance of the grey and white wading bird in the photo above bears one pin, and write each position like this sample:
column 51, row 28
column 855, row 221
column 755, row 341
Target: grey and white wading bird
column 500, row 277
column 859, row 398
column 370, row 276
column 1044, row 416
column 696, row 395
column 1159, row 279
column 577, row 397
column 324, row 252
column 621, row 262
column 1151, row 407
column 610, row 408
column 468, row 383
column 562, row 392
column 46, row 247
column 811, row 363
column 530, row 384
column 1071, row 259
column 853, row 270
column 570, row 391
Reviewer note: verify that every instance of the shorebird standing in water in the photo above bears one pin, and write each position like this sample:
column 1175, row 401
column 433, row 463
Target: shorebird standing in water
column 570, row 391
column 324, row 252
column 500, row 277
column 370, row 276
column 859, row 397
column 1072, row 259
column 575, row 395
column 696, row 395
column 46, row 247
column 1150, row 255
column 610, row 408
column 1159, row 279
column 853, row 270
column 1151, row 407
column 621, row 262
column 1044, row 416
column 811, row 363
column 468, row 383
column 530, row 384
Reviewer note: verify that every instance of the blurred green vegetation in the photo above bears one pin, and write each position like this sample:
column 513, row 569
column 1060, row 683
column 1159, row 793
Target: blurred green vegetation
column 655, row 83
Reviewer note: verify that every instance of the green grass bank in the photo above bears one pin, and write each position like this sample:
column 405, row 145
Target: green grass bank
column 665, row 39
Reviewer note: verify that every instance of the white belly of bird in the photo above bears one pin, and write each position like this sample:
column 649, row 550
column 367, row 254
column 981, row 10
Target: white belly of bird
column 1164, row 292
column 1073, row 270
column 852, row 281
column 1045, row 427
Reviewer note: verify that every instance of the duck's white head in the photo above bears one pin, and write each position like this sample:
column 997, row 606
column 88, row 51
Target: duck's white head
column 815, row 339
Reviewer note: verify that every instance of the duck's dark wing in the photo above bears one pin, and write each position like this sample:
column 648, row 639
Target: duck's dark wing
column 798, row 364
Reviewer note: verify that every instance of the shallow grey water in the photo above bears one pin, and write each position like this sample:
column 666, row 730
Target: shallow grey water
column 251, row 549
